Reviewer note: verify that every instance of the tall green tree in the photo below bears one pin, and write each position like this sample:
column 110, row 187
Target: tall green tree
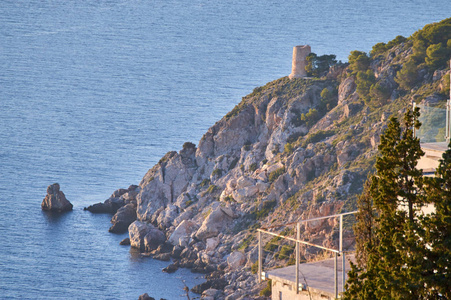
column 389, row 247
column 318, row 66
column 438, row 233
column 358, row 61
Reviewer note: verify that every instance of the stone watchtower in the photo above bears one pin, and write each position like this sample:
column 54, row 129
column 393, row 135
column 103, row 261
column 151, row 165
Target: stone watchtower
column 299, row 61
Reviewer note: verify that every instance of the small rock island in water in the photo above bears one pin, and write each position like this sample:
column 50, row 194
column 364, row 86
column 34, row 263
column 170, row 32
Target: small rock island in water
column 55, row 200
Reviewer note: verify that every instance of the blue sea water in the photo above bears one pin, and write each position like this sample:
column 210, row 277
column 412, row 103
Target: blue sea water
column 94, row 92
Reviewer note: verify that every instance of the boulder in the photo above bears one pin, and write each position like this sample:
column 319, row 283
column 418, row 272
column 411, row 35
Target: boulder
column 236, row 259
column 145, row 236
column 171, row 268
column 118, row 199
column 216, row 221
column 212, row 243
column 123, row 218
column 55, row 200
column 125, row 242
column 185, row 229
column 167, row 216
column 153, row 239
column 145, row 297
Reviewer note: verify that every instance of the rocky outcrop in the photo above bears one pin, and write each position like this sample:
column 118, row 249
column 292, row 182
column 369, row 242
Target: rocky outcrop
column 123, row 218
column 145, row 296
column 216, row 221
column 118, row 199
column 55, row 200
column 235, row 260
column 182, row 233
column 145, row 236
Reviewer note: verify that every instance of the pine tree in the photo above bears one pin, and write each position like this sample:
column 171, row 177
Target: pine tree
column 392, row 248
column 438, row 235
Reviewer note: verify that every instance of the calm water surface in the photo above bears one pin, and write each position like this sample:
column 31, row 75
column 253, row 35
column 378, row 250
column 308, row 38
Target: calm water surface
column 93, row 93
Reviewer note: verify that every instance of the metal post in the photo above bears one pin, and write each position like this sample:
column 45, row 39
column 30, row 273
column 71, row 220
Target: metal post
column 341, row 253
column 341, row 234
column 259, row 256
column 447, row 125
column 336, row 274
column 343, row 279
column 298, row 237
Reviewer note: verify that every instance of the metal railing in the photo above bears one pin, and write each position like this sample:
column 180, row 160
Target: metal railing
column 298, row 241
column 436, row 121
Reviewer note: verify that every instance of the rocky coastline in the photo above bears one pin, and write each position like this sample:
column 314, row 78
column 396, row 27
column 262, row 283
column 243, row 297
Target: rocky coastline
column 293, row 149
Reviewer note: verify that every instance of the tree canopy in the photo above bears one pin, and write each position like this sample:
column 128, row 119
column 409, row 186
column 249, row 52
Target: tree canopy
column 402, row 253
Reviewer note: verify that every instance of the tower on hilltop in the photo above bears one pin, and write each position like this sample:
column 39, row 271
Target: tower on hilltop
column 299, row 61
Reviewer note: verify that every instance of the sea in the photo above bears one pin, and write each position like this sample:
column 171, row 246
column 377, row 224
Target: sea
column 94, row 92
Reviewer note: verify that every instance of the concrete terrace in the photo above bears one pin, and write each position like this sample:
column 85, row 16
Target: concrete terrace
column 318, row 278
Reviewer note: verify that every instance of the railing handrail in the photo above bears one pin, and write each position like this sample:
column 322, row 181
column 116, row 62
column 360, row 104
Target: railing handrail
column 298, row 241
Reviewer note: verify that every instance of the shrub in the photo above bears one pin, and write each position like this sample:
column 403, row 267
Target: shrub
column 217, row 172
column 253, row 167
column 445, row 85
column 328, row 99
column 246, row 242
column 288, row 149
column 247, row 146
column 317, row 136
column 189, row 145
column 275, row 174
column 272, row 244
column 267, row 290
column 407, row 77
column 204, row 182
column 436, row 56
column 212, row 188
column 364, row 81
column 285, row 252
column 379, row 94
column 310, row 118
column 267, row 207
column 229, row 199
column 254, row 267
column 233, row 163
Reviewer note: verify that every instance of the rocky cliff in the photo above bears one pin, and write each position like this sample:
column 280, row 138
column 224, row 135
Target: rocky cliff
column 291, row 150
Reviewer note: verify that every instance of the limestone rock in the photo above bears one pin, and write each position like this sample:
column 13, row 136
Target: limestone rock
column 153, row 239
column 346, row 88
column 123, row 218
column 164, row 183
column 118, row 199
column 145, row 297
column 185, row 229
column 125, row 242
column 212, row 243
column 145, row 236
column 235, row 260
column 55, row 200
column 213, row 224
